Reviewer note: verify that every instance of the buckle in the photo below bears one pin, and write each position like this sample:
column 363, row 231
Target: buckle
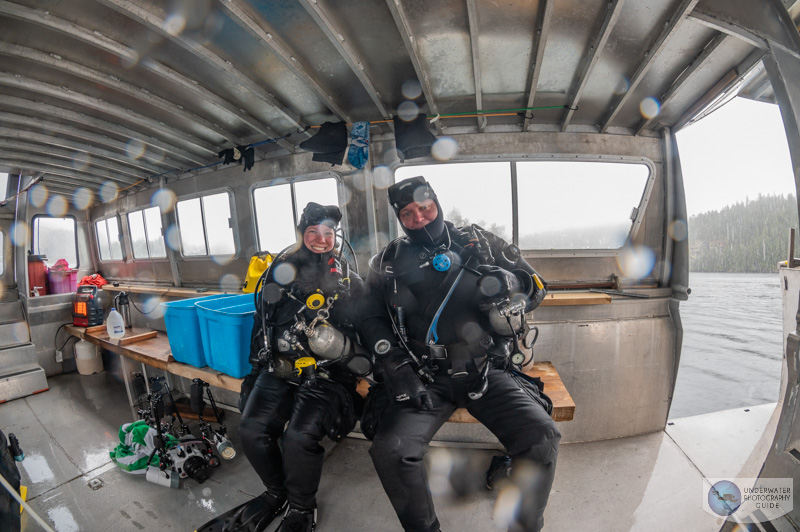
column 437, row 352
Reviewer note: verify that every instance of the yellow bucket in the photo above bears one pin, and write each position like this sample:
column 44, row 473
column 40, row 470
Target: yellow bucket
column 258, row 264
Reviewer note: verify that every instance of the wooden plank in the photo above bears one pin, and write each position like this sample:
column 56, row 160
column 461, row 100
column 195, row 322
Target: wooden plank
column 127, row 340
column 211, row 376
column 562, row 299
column 153, row 351
column 96, row 328
column 563, row 405
column 170, row 291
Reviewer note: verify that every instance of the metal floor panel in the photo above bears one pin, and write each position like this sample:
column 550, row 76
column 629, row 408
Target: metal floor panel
column 639, row 483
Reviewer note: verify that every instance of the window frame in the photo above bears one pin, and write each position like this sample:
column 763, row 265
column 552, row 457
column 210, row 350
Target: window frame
column 636, row 223
column 75, row 223
column 340, row 193
column 121, row 239
column 234, row 223
column 149, row 258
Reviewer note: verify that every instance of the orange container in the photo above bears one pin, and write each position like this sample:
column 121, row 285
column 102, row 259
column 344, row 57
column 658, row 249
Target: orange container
column 37, row 275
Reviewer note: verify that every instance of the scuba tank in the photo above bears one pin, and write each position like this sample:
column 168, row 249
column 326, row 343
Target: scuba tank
column 328, row 342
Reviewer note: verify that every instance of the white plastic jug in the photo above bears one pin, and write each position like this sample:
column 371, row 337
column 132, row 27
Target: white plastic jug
column 87, row 358
column 115, row 325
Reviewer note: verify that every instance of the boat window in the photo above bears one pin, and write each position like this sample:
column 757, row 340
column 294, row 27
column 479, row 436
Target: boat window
column 470, row 193
column 147, row 239
column 55, row 238
column 278, row 207
column 205, row 225
column 578, row 205
column 3, row 186
column 559, row 204
column 109, row 239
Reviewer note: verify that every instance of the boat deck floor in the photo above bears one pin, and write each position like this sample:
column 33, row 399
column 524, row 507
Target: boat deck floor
column 648, row 482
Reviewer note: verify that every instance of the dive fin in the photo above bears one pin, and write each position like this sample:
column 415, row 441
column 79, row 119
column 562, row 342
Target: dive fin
column 250, row 516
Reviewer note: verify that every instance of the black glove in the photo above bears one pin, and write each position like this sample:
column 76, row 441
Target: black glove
column 403, row 382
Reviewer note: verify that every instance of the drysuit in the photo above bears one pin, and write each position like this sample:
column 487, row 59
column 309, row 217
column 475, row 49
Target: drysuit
column 442, row 314
column 313, row 404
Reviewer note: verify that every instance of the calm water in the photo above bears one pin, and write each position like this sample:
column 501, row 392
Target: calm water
column 732, row 343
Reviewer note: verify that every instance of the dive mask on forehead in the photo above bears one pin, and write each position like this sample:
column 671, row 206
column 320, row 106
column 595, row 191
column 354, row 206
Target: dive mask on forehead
column 315, row 214
column 410, row 190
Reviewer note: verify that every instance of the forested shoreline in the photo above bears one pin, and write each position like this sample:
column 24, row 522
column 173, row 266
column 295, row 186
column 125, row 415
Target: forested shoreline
column 747, row 237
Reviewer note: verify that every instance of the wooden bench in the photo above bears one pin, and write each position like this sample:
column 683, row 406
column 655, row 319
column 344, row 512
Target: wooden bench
column 152, row 348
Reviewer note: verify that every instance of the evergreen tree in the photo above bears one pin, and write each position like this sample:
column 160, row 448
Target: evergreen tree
column 749, row 237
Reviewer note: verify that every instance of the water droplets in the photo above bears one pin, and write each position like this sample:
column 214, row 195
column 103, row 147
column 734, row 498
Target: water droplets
column 444, row 149
column 411, row 89
column 230, row 282
column 109, row 191
column 38, row 195
column 173, row 237
column 83, row 198
column 57, row 206
column 678, row 230
column 135, row 148
column 174, row 24
column 636, row 262
column 649, row 107
column 285, row 273
column 81, row 161
column 164, row 199
column 19, row 233
column 382, row 177
column 408, row 111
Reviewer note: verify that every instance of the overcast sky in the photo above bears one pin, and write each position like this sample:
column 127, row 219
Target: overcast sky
column 736, row 152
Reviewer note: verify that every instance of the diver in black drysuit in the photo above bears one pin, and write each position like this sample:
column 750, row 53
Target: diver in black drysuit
column 317, row 402
column 444, row 316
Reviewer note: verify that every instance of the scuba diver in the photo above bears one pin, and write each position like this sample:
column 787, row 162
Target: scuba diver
column 304, row 374
column 445, row 318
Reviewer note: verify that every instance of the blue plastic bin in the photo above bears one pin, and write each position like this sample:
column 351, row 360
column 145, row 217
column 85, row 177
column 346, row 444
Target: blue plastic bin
column 225, row 328
column 183, row 329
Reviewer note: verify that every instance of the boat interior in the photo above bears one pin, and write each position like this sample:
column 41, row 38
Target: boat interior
column 169, row 146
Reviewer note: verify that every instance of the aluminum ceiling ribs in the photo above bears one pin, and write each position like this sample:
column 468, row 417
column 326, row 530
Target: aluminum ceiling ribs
column 696, row 64
column 678, row 16
column 81, row 159
column 155, row 23
column 403, row 25
column 606, row 27
column 60, row 135
column 472, row 16
column 162, row 149
column 101, row 42
column 341, row 42
column 189, row 142
column 266, row 35
column 112, row 82
column 539, row 42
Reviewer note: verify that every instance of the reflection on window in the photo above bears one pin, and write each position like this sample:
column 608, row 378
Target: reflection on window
column 55, row 238
column 577, row 205
column 275, row 212
column 146, row 238
column 205, row 225
column 109, row 241
column 559, row 205
column 470, row 193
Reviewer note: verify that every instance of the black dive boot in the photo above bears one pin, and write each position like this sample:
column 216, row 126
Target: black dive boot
column 256, row 514
column 299, row 520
